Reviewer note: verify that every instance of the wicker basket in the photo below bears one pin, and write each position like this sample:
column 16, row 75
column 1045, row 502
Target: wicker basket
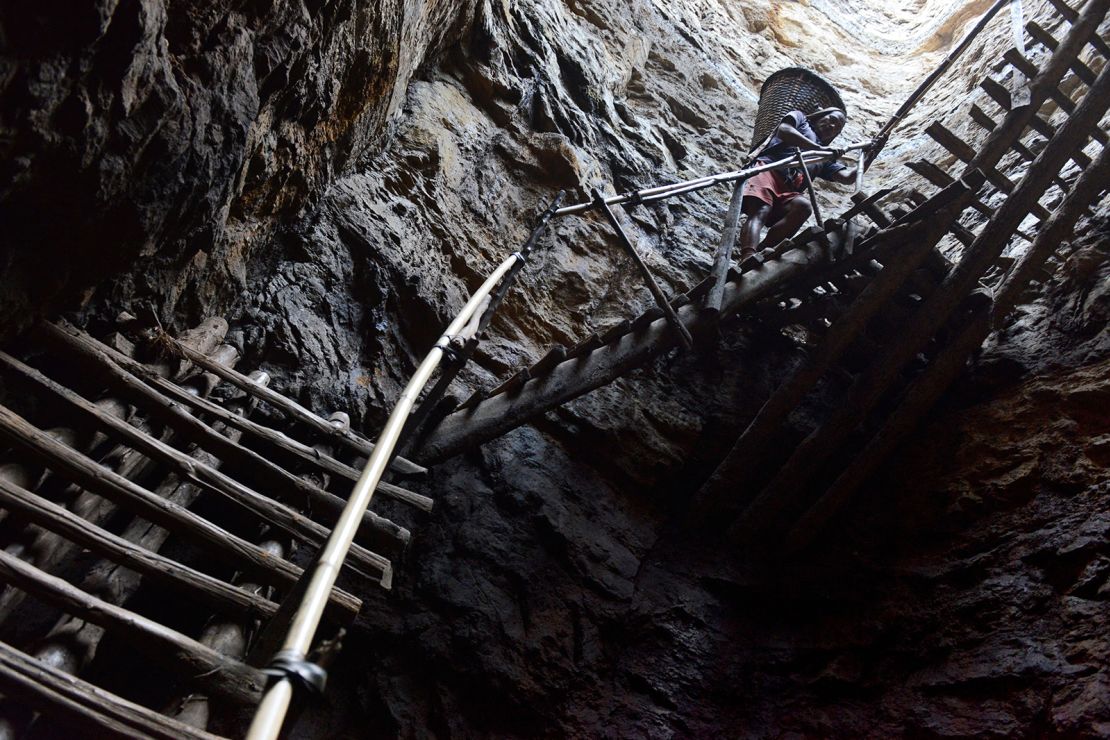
column 793, row 88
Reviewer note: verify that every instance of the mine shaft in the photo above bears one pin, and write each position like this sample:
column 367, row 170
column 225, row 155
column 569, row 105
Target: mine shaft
column 600, row 368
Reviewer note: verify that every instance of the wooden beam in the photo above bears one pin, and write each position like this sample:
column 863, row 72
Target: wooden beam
column 987, row 123
column 725, row 489
column 1016, row 58
column 962, row 151
column 1001, row 96
column 942, row 179
column 229, row 679
column 574, row 377
column 86, row 709
column 1045, row 39
column 946, row 367
column 1071, row 16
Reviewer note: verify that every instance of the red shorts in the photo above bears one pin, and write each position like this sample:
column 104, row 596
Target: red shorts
column 771, row 188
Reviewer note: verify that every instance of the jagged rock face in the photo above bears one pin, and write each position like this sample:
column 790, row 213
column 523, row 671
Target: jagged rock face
column 555, row 591
column 162, row 140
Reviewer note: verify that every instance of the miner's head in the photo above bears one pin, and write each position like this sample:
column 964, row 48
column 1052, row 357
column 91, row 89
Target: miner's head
column 828, row 123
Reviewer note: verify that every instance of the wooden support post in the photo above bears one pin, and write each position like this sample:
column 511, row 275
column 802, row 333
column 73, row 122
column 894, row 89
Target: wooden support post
column 809, row 188
column 677, row 326
column 722, row 259
column 473, row 333
column 229, row 679
column 85, row 709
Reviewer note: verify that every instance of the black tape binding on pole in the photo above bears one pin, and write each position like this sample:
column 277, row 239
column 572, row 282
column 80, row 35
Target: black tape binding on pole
column 301, row 673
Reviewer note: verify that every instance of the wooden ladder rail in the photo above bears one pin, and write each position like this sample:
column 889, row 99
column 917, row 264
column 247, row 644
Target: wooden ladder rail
column 926, row 389
column 787, row 487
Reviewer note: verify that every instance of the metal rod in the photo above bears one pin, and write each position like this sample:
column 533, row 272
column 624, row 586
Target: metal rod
column 656, row 292
column 275, row 702
column 809, row 186
column 723, row 257
column 660, row 192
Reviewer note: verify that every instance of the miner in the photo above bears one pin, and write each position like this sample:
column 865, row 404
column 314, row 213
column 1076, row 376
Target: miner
column 776, row 198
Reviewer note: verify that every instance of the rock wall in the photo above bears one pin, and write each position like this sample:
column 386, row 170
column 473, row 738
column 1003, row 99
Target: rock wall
column 336, row 177
column 162, row 141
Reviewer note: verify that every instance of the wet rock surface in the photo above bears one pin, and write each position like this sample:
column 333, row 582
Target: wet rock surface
column 335, row 178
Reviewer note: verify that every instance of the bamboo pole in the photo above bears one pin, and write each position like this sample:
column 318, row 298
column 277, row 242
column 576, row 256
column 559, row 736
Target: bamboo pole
column 275, row 702
column 649, row 195
column 472, row 334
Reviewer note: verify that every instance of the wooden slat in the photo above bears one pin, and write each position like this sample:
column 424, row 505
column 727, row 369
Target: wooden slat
column 54, row 518
column 551, row 358
column 940, row 134
column 125, row 374
column 183, row 522
column 942, row 179
column 987, row 123
column 1072, row 16
column 1000, row 95
column 84, row 708
column 291, row 407
column 947, row 365
column 201, row 665
column 574, row 377
column 1045, row 39
column 1016, row 58
column 196, row 471
column 277, row 440
column 789, row 485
